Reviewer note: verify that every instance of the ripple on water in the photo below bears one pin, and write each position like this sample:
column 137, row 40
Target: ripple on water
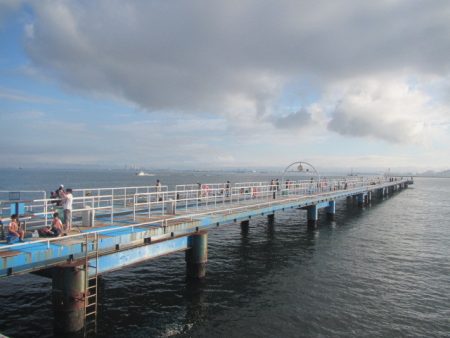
column 378, row 272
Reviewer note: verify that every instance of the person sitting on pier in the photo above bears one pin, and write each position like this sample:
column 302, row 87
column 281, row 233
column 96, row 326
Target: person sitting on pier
column 15, row 234
column 55, row 230
column 57, row 226
column 46, row 231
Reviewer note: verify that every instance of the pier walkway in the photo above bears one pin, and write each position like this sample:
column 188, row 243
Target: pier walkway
column 119, row 227
column 158, row 222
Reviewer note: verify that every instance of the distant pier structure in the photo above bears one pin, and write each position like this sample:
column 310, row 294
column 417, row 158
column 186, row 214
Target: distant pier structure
column 122, row 226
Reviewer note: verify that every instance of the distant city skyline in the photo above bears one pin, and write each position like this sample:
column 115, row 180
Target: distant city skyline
column 232, row 84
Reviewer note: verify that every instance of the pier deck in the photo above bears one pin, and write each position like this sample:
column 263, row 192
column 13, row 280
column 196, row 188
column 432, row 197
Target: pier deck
column 144, row 227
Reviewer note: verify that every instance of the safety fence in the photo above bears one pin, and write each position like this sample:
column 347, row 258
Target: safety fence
column 267, row 192
column 91, row 206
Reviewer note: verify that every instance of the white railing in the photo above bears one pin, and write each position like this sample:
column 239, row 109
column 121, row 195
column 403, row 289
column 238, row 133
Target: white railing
column 24, row 195
column 122, row 196
column 231, row 209
column 152, row 202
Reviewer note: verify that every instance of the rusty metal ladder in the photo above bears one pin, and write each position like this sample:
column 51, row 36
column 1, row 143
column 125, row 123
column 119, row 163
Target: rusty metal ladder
column 91, row 286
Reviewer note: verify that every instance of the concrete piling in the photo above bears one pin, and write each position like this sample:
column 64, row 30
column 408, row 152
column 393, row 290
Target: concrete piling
column 197, row 256
column 313, row 215
column 69, row 291
column 331, row 211
column 245, row 226
column 361, row 200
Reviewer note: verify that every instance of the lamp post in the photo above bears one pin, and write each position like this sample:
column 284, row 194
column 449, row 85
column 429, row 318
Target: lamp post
column 299, row 167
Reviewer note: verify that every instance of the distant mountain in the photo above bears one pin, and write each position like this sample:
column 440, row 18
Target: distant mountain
column 445, row 173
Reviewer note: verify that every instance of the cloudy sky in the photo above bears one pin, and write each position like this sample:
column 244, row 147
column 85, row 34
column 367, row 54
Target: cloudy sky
column 199, row 84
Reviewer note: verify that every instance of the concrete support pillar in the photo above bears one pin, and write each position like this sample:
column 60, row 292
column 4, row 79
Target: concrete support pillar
column 331, row 210
column 366, row 199
column 349, row 199
column 360, row 199
column 197, row 256
column 68, row 298
column 270, row 218
column 244, row 225
column 313, row 215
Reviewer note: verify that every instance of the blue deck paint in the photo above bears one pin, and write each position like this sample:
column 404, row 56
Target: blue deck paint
column 128, row 257
column 119, row 246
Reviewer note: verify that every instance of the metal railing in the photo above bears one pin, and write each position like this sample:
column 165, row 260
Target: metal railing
column 122, row 196
column 152, row 202
column 233, row 208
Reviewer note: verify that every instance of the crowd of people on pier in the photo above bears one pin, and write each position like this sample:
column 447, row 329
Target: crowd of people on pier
column 61, row 199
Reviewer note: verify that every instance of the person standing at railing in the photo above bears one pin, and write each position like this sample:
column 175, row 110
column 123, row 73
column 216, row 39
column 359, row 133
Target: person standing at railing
column 67, row 199
column 59, row 194
column 199, row 191
column 2, row 230
column 158, row 190
column 253, row 192
column 227, row 189
column 273, row 188
column 205, row 190
column 15, row 234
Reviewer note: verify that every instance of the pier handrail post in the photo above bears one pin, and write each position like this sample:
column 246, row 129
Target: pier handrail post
column 112, row 208
column 134, row 208
column 45, row 208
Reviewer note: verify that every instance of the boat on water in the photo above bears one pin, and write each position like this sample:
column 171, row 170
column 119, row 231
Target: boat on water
column 143, row 173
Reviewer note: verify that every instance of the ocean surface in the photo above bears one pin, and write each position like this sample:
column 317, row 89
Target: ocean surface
column 381, row 271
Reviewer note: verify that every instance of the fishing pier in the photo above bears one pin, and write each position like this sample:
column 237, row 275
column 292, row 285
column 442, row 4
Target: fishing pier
column 120, row 227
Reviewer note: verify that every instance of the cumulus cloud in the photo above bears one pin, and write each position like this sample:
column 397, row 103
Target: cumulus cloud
column 300, row 119
column 235, row 58
column 7, row 7
column 385, row 108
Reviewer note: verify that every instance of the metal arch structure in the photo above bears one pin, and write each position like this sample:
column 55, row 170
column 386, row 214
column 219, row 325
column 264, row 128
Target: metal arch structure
column 300, row 169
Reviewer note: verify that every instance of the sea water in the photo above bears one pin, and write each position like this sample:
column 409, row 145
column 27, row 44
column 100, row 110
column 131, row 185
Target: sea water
column 381, row 271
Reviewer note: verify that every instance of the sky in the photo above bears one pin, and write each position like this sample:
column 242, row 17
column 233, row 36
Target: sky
column 193, row 84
